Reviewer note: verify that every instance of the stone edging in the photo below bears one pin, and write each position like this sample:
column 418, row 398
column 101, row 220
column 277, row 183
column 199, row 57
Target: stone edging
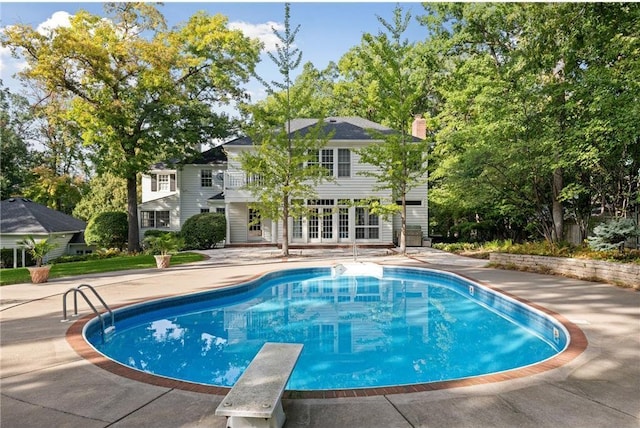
column 625, row 274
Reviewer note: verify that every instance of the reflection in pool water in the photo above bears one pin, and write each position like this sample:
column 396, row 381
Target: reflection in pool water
column 411, row 326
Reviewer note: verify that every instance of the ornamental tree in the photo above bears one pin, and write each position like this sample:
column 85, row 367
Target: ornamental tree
column 279, row 152
column 401, row 162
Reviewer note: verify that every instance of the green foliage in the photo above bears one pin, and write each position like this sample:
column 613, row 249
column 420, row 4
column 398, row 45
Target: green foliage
column 38, row 249
column 105, row 192
column 97, row 265
column 15, row 132
column 107, row 230
column 613, row 234
column 531, row 132
column 163, row 244
column 204, row 231
column 538, row 248
column 139, row 92
column 60, row 192
column 274, row 173
column 401, row 163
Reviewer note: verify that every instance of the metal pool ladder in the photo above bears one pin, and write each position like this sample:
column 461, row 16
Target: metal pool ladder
column 78, row 290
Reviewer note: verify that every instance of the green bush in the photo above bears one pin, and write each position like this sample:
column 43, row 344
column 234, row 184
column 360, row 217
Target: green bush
column 155, row 232
column 204, row 231
column 108, row 230
column 613, row 234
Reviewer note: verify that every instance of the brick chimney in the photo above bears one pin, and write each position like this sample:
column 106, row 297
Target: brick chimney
column 419, row 127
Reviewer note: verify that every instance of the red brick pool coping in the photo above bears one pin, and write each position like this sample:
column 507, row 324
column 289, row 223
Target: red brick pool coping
column 577, row 344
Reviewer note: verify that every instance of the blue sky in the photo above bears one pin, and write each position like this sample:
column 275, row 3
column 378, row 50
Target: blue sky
column 328, row 30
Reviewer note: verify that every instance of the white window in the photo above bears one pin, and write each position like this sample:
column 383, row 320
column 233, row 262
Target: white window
column 367, row 224
column 254, row 220
column 326, row 160
column 154, row 219
column 163, row 182
column 344, row 163
column 206, row 178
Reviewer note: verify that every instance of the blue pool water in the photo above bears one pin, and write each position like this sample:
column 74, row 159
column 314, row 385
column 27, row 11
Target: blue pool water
column 409, row 326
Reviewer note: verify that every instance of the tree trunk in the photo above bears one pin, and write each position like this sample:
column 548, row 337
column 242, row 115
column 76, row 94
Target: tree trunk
column 133, row 241
column 403, row 227
column 556, row 210
column 285, row 226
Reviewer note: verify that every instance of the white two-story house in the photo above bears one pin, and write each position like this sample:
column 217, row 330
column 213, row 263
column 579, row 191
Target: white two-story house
column 215, row 182
column 171, row 194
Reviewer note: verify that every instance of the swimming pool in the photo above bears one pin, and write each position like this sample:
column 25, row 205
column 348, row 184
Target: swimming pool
column 363, row 326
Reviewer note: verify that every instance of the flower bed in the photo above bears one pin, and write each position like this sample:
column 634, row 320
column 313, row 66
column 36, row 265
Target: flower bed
column 625, row 274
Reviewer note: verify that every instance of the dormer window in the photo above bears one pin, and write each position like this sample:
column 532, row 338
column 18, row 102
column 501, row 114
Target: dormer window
column 163, row 182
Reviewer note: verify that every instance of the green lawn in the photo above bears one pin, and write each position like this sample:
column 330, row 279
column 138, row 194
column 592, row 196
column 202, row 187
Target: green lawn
column 15, row 276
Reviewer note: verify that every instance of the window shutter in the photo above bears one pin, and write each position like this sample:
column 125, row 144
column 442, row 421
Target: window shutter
column 154, row 182
column 172, row 179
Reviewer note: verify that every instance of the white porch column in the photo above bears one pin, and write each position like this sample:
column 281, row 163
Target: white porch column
column 227, row 239
column 274, row 231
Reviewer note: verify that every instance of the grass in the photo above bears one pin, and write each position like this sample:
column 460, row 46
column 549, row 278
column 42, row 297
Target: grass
column 143, row 261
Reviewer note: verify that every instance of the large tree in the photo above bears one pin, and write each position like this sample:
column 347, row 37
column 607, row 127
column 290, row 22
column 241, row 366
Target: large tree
column 104, row 193
column 139, row 91
column 16, row 130
column 279, row 151
column 401, row 162
column 539, row 104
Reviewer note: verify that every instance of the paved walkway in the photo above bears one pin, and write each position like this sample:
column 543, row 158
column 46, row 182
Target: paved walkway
column 44, row 382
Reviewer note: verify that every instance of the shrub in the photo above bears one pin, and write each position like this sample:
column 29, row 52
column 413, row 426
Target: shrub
column 204, row 231
column 155, row 232
column 613, row 234
column 107, row 230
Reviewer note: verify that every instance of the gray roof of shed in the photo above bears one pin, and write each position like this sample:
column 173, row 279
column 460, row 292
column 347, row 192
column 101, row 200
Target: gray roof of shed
column 23, row 216
column 343, row 128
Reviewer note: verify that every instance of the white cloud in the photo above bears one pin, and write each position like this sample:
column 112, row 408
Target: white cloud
column 58, row 19
column 263, row 32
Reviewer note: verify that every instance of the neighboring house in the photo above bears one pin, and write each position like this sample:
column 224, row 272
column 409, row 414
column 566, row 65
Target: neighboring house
column 21, row 218
column 215, row 183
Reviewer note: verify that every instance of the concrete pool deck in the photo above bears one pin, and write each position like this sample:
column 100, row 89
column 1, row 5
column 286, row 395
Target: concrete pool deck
column 44, row 382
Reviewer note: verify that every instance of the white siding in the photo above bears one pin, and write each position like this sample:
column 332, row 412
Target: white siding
column 148, row 194
column 170, row 203
column 194, row 197
column 237, row 217
column 356, row 186
column 61, row 240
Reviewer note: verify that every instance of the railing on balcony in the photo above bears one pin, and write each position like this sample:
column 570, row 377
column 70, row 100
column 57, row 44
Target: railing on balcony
column 237, row 180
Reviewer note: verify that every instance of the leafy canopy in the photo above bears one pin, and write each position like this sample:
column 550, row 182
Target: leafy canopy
column 139, row 92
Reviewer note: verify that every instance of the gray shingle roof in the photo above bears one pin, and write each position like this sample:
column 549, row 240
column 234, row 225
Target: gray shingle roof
column 23, row 216
column 343, row 128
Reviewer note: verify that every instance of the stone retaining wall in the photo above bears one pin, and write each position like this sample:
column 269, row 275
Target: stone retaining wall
column 627, row 274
